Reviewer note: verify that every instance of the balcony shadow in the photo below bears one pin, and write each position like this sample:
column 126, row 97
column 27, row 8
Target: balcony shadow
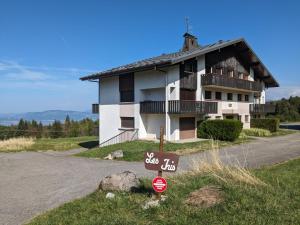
column 89, row 144
column 290, row 126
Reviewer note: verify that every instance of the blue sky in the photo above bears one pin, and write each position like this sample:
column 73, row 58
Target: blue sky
column 45, row 46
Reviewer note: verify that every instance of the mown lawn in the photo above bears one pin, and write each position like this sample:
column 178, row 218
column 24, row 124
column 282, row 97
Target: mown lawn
column 277, row 203
column 282, row 132
column 61, row 144
column 57, row 144
column 134, row 151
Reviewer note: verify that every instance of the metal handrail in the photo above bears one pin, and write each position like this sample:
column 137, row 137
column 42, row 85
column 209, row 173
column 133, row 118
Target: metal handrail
column 126, row 135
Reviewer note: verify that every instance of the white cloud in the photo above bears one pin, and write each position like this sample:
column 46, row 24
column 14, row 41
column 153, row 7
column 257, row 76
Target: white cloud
column 284, row 91
column 14, row 71
column 11, row 70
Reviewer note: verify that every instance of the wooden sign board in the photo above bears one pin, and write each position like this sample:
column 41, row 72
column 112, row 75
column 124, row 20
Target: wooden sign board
column 161, row 161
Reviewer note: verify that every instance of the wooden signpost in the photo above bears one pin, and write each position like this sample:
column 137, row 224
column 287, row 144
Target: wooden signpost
column 160, row 161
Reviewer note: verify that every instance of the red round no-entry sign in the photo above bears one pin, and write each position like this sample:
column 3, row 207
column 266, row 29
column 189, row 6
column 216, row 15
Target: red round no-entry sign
column 159, row 184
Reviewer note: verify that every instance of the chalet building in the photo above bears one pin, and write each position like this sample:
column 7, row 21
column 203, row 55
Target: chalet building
column 224, row 80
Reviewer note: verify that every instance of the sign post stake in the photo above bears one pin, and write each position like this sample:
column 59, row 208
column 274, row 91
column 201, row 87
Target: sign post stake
column 161, row 149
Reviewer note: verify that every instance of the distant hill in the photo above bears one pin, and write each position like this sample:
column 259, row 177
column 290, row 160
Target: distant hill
column 46, row 117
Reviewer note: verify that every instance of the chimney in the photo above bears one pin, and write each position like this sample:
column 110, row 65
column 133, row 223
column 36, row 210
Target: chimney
column 190, row 42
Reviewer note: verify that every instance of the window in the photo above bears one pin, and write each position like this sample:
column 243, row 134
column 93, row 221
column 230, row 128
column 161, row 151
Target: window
column 247, row 118
column 239, row 97
column 219, row 95
column 246, row 77
column 241, row 76
column 126, row 87
column 229, row 96
column 246, row 98
column 207, row 95
column 219, row 70
column 127, row 122
column 230, row 73
column 239, row 117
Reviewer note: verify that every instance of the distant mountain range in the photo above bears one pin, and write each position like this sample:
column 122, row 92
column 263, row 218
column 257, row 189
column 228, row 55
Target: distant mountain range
column 46, row 117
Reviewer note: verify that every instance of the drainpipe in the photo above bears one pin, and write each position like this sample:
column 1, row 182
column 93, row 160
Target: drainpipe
column 166, row 107
column 99, row 110
column 166, row 101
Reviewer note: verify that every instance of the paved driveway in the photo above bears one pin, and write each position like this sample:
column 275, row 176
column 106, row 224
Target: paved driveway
column 33, row 182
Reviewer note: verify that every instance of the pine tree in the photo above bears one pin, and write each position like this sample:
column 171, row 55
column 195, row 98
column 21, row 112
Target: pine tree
column 20, row 128
column 40, row 130
column 56, row 129
column 67, row 126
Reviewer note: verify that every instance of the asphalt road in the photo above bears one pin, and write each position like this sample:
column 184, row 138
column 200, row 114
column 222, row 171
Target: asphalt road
column 34, row 182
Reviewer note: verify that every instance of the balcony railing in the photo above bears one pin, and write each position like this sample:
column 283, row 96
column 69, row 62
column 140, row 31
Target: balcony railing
column 179, row 106
column 95, row 108
column 154, row 107
column 198, row 107
column 225, row 81
column 262, row 108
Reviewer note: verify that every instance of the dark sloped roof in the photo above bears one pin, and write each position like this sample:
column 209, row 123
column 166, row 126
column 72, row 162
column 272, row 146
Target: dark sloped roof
column 176, row 57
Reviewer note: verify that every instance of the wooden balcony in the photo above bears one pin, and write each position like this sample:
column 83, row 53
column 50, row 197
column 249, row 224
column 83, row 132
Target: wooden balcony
column 152, row 107
column 216, row 80
column 179, row 107
column 197, row 107
column 261, row 108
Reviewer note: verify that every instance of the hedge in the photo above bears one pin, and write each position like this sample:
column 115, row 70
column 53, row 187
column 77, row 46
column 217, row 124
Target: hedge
column 225, row 130
column 271, row 124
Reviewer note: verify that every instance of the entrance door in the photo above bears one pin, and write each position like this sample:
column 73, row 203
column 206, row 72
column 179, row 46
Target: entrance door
column 187, row 127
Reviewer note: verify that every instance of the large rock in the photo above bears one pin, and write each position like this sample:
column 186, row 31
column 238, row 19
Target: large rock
column 117, row 154
column 125, row 181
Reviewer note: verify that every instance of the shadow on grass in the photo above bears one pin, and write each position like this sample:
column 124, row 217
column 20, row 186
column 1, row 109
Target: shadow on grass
column 89, row 144
column 290, row 126
column 143, row 189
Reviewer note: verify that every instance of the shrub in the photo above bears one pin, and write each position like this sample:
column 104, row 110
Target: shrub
column 271, row 124
column 257, row 132
column 226, row 130
column 16, row 143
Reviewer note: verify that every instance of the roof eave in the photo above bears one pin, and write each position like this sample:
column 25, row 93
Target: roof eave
column 119, row 72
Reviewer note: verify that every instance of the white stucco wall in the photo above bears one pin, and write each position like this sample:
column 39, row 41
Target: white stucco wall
column 154, row 122
column 201, row 71
column 148, row 85
column 109, row 113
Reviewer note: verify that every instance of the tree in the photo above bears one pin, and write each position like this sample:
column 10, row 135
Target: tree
column 56, row 130
column 21, row 128
column 40, row 130
column 67, row 126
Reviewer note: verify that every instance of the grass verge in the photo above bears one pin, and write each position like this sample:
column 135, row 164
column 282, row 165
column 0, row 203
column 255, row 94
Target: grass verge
column 134, row 151
column 282, row 132
column 278, row 202
column 58, row 144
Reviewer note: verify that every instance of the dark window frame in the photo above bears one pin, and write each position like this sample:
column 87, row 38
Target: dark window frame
column 126, row 87
column 219, row 96
column 246, row 98
column 205, row 96
column 239, row 97
column 127, row 122
column 229, row 98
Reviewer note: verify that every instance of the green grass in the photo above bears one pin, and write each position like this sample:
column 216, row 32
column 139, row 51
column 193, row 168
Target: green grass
column 282, row 132
column 256, row 132
column 134, row 151
column 59, row 144
column 278, row 203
